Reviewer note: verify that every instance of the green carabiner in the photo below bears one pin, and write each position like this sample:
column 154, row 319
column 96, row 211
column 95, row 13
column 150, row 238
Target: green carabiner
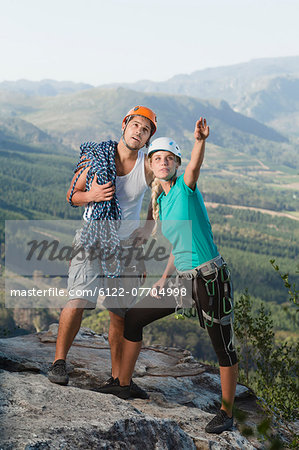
column 187, row 313
column 193, row 312
column 210, row 294
column 212, row 317
column 179, row 316
column 224, row 278
column 224, row 306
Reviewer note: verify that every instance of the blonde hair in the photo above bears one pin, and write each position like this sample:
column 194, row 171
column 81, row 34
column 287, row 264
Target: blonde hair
column 156, row 191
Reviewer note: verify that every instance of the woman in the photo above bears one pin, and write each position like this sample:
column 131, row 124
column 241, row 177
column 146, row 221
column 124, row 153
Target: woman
column 195, row 258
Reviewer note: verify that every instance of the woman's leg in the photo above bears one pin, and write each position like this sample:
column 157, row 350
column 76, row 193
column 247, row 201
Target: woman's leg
column 217, row 313
column 144, row 313
column 229, row 377
column 221, row 335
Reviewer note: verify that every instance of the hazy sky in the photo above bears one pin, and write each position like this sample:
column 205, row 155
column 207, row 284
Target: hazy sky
column 102, row 41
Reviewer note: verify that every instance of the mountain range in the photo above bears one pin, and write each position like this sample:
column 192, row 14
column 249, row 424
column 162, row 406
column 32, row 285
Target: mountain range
column 264, row 89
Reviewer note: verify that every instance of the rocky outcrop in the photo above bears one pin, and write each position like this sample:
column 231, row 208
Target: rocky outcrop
column 37, row 414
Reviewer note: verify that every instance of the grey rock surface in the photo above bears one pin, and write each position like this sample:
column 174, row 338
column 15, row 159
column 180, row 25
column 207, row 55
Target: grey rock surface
column 36, row 414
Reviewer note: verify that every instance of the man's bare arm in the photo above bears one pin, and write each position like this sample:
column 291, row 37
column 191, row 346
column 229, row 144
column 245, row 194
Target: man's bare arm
column 97, row 192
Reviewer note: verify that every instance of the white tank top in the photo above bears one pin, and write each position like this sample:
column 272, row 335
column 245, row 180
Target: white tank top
column 130, row 190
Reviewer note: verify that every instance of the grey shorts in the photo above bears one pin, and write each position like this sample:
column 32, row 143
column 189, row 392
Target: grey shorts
column 87, row 282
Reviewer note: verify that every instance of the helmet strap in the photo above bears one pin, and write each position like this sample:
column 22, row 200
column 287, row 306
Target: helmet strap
column 124, row 141
column 123, row 135
column 169, row 179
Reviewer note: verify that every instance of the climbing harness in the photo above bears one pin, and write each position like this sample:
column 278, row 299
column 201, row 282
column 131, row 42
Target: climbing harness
column 207, row 319
column 100, row 228
column 175, row 285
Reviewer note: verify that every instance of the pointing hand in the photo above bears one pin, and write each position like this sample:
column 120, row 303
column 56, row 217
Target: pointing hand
column 201, row 131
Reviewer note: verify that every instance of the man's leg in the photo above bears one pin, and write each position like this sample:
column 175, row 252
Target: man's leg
column 144, row 313
column 130, row 354
column 135, row 319
column 115, row 337
column 69, row 325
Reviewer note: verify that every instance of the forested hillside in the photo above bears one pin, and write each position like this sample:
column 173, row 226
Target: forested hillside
column 249, row 179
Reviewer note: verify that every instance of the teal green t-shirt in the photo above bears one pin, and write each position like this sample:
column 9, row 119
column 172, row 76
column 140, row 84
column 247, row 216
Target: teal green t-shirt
column 185, row 223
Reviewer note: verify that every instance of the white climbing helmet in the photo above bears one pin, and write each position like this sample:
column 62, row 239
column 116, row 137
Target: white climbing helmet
column 165, row 144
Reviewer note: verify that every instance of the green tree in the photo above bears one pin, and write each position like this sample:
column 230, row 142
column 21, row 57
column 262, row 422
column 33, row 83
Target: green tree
column 268, row 367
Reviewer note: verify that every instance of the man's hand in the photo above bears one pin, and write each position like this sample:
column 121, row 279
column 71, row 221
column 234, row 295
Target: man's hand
column 100, row 192
column 201, row 131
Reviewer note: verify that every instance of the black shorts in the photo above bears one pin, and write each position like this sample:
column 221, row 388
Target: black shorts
column 214, row 298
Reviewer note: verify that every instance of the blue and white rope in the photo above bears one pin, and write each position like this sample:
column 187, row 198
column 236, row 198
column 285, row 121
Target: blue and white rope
column 100, row 229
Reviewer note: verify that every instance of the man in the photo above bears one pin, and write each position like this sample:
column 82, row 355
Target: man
column 133, row 176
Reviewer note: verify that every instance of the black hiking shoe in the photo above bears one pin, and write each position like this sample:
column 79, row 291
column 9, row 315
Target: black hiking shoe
column 137, row 391
column 124, row 392
column 221, row 422
column 57, row 373
column 115, row 389
column 107, row 383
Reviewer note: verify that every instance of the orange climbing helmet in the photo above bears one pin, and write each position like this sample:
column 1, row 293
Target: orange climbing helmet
column 144, row 112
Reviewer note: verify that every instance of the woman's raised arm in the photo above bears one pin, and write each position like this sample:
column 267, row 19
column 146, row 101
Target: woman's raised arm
column 201, row 133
